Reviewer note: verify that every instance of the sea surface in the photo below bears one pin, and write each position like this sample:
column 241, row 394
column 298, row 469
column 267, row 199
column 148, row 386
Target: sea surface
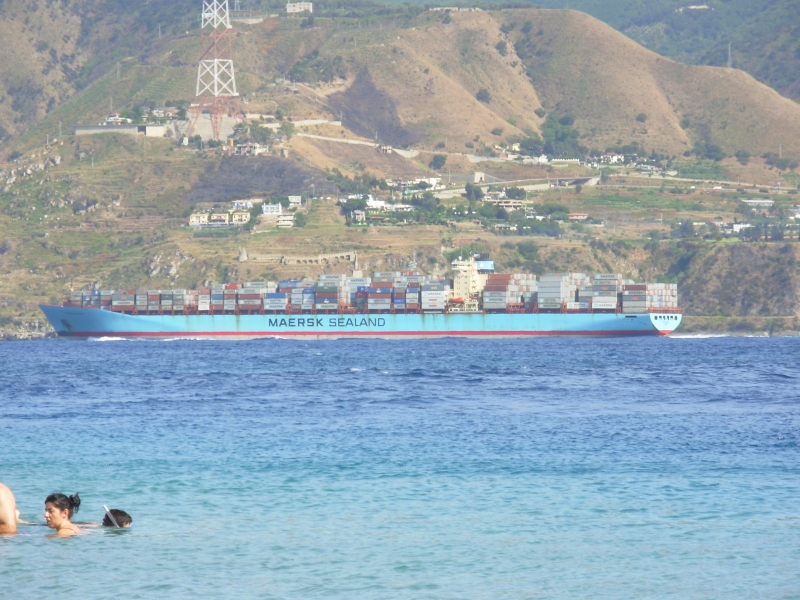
column 368, row 469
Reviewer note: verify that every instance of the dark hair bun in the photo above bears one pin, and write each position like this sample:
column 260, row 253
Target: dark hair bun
column 75, row 502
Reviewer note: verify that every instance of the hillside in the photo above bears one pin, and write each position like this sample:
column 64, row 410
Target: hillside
column 763, row 35
column 581, row 66
column 53, row 50
column 415, row 85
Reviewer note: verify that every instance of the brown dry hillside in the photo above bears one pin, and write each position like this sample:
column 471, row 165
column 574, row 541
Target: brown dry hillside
column 413, row 85
column 578, row 64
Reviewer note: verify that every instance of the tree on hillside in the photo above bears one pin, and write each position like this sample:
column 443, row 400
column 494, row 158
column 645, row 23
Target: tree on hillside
column 641, row 117
column 709, row 151
column 287, row 129
column 540, row 112
column 502, row 47
column 560, row 138
column 437, row 162
column 743, row 156
column 473, row 192
column 484, row 96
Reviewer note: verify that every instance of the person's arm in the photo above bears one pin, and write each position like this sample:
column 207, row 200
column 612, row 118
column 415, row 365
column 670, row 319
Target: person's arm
column 21, row 521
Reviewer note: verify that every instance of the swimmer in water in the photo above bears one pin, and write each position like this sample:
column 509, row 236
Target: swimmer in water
column 8, row 511
column 58, row 510
column 122, row 518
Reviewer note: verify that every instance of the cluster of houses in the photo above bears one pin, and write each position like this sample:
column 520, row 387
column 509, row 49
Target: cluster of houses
column 240, row 213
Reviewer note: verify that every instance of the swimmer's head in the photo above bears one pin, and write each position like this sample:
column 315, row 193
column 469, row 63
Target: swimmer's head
column 122, row 518
column 59, row 507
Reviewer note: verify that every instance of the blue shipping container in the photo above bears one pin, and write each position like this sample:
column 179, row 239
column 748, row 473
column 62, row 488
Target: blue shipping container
column 278, row 295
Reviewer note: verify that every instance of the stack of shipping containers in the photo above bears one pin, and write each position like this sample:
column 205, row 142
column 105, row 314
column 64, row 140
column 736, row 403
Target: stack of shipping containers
column 503, row 289
column 662, row 295
column 605, row 289
column 203, row 301
column 413, row 298
column 250, row 297
column 379, row 294
column 141, row 300
column 393, row 292
column 217, row 297
column 634, row 298
column 555, row 289
column 123, row 301
column 434, row 297
column 229, row 297
column 357, row 291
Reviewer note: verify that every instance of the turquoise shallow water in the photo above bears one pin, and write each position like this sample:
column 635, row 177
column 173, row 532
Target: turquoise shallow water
column 646, row 468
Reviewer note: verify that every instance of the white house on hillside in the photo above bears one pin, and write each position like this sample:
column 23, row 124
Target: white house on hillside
column 298, row 7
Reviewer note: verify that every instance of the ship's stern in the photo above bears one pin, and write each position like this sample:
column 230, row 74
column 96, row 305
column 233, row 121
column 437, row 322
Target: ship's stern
column 665, row 323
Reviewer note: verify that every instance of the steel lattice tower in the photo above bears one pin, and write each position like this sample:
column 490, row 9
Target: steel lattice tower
column 216, row 80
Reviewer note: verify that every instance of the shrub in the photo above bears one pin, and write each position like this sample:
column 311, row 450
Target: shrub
column 540, row 112
column 641, row 117
column 484, row 96
column 685, row 122
column 498, row 131
column 502, row 47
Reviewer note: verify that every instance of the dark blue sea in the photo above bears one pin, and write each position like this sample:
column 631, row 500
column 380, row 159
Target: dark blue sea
column 442, row 469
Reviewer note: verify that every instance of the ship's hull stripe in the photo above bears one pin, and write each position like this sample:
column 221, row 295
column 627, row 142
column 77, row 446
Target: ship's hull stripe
column 306, row 334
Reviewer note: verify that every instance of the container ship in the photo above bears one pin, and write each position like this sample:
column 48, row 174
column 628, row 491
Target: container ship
column 392, row 305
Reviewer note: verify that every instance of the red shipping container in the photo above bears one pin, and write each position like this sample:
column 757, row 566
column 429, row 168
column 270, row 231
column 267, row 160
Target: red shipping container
column 495, row 288
column 232, row 286
column 249, row 296
column 370, row 295
column 637, row 286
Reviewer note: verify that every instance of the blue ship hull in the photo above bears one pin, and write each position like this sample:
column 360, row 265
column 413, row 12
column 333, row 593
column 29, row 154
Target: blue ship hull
column 73, row 322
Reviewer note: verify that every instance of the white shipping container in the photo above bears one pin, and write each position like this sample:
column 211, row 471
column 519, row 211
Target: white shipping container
column 550, row 305
column 604, row 305
column 577, row 305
